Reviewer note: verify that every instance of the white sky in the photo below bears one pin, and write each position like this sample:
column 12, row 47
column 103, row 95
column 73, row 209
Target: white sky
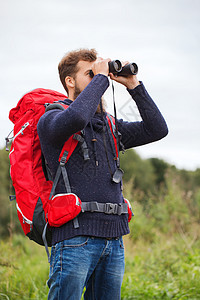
column 162, row 37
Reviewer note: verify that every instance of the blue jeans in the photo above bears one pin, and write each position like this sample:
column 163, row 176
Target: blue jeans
column 94, row 263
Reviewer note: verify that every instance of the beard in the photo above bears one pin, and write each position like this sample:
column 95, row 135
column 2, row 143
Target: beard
column 77, row 92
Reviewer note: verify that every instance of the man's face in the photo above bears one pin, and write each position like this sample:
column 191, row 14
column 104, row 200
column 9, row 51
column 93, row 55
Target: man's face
column 82, row 78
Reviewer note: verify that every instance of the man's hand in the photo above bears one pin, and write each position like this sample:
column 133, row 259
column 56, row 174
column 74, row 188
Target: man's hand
column 100, row 66
column 130, row 81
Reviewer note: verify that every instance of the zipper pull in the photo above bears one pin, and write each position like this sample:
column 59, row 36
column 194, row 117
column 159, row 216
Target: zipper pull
column 23, row 127
column 8, row 140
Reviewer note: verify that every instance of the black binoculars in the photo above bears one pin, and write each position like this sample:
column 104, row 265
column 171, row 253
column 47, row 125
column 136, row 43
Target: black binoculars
column 115, row 67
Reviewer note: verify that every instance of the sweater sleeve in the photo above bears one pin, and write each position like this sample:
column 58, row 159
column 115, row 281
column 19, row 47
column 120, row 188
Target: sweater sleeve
column 152, row 127
column 56, row 126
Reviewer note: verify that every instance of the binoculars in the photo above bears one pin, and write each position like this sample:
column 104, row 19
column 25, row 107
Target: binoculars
column 115, row 67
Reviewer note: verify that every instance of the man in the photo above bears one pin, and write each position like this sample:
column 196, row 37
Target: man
column 91, row 254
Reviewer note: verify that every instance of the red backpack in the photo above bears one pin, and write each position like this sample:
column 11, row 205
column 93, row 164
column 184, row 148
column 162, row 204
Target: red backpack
column 33, row 189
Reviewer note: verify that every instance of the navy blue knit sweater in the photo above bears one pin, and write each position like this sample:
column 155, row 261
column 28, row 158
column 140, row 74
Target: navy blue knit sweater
column 89, row 181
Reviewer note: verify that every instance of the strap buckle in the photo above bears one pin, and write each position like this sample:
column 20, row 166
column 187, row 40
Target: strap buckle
column 63, row 159
column 93, row 206
column 111, row 208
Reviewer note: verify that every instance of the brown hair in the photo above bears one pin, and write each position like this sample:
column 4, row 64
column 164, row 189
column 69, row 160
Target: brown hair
column 68, row 64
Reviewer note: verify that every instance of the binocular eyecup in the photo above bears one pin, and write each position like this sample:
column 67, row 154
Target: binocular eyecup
column 116, row 68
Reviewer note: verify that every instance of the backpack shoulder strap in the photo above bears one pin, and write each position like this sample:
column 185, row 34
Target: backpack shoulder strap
column 73, row 140
column 66, row 152
column 111, row 123
column 56, row 105
column 112, row 127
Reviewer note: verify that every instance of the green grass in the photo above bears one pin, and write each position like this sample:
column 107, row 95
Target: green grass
column 168, row 268
column 23, row 270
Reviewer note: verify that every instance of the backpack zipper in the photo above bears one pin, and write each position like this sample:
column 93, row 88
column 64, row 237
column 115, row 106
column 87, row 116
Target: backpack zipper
column 25, row 220
column 20, row 132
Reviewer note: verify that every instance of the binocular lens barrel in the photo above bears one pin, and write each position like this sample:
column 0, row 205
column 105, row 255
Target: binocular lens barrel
column 130, row 69
column 115, row 66
column 134, row 68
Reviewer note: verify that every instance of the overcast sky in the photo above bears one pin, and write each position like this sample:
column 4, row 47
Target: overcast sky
column 162, row 37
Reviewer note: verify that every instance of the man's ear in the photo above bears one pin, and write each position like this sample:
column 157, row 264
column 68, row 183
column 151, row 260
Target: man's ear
column 70, row 82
